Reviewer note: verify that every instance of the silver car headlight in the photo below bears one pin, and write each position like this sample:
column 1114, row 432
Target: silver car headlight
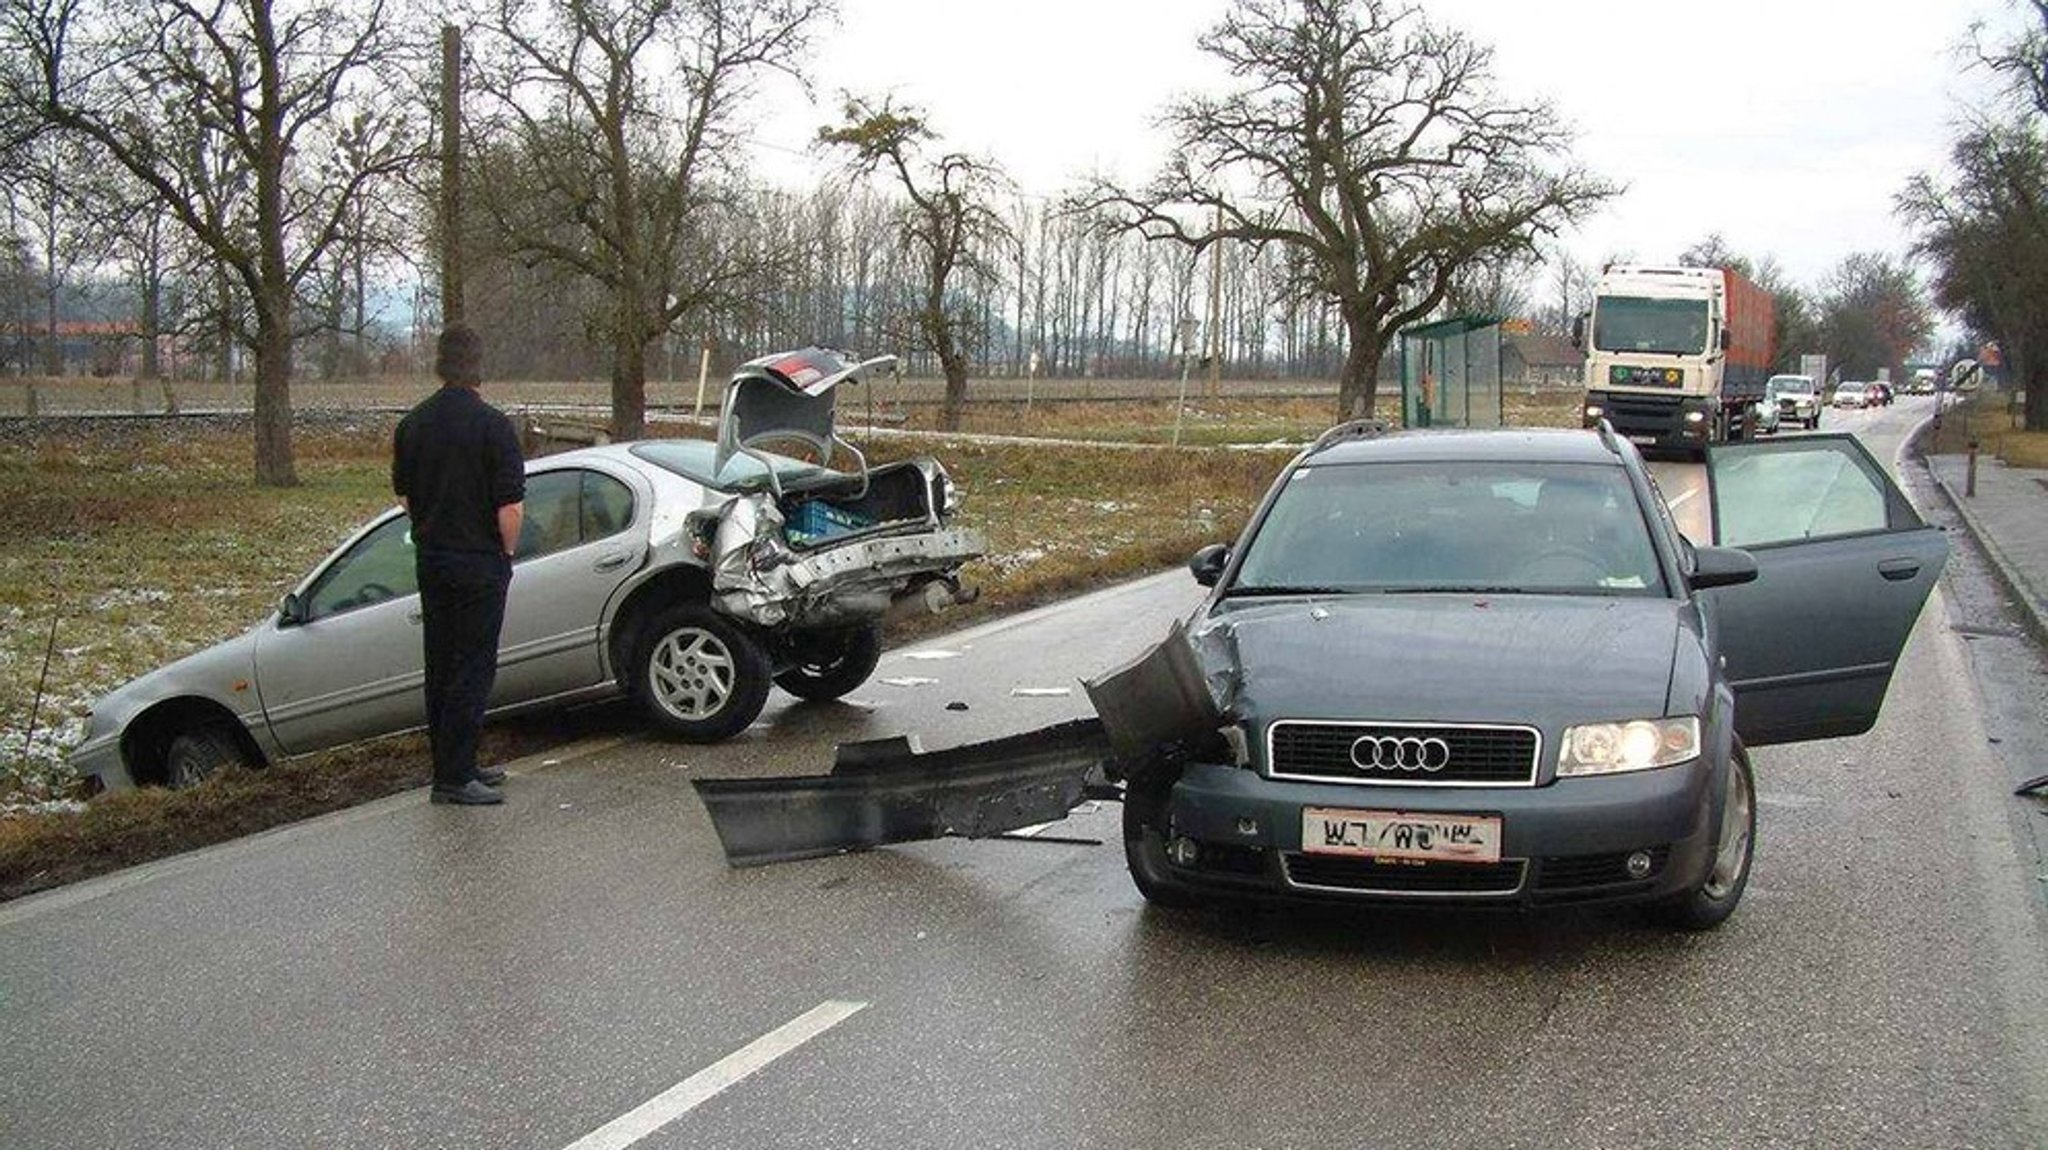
column 1635, row 745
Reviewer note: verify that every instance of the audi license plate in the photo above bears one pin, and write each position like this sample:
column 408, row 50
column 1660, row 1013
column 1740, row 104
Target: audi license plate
column 1400, row 835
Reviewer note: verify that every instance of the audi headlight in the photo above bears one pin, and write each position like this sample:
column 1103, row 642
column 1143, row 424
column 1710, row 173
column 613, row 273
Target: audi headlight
column 1636, row 745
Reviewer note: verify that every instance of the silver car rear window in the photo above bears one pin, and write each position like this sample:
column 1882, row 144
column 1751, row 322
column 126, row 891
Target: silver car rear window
column 693, row 458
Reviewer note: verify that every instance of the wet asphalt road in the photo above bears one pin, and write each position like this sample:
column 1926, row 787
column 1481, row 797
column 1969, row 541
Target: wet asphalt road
column 407, row 975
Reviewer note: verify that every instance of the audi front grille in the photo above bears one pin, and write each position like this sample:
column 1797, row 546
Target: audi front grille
column 1403, row 754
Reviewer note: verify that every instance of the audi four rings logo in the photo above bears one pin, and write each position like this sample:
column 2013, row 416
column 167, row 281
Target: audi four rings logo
column 1402, row 753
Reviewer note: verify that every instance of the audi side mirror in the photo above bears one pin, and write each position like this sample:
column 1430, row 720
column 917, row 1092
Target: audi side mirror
column 1727, row 339
column 290, row 612
column 1721, row 567
column 1208, row 563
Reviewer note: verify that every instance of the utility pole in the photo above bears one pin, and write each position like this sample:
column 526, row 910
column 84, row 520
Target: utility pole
column 451, row 175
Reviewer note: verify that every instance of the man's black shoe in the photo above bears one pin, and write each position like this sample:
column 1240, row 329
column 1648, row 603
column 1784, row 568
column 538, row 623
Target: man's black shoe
column 469, row 794
column 491, row 776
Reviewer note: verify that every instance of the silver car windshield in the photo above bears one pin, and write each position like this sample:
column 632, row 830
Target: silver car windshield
column 1394, row 528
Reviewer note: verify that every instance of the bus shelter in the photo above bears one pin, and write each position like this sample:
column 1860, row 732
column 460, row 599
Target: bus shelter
column 1450, row 374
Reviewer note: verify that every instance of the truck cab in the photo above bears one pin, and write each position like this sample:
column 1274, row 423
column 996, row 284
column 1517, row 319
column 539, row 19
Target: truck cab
column 1675, row 356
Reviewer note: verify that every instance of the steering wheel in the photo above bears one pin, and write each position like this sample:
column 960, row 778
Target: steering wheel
column 370, row 593
column 1562, row 563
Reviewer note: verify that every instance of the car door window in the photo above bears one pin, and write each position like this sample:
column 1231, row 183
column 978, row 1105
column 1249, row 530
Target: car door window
column 572, row 507
column 553, row 519
column 607, row 506
column 378, row 567
column 1805, row 490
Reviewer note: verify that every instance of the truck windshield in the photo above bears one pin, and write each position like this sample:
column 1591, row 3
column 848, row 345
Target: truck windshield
column 1631, row 323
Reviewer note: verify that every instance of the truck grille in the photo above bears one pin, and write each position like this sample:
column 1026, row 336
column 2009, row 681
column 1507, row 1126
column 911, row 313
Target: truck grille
column 1403, row 754
column 1371, row 876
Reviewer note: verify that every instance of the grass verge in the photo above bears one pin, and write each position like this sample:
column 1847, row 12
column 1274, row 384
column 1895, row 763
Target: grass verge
column 1994, row 425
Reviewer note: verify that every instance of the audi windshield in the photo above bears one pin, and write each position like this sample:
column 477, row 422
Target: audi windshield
column 1394, row 528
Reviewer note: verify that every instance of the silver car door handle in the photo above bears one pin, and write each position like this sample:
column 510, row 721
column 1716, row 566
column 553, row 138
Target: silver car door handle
column 1899, row 569
column 611, row 562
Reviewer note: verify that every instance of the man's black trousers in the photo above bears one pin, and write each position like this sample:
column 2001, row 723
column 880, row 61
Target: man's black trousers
column 462, row 604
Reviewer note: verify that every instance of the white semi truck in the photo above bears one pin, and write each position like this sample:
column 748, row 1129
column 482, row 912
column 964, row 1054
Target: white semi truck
column 1675, row 356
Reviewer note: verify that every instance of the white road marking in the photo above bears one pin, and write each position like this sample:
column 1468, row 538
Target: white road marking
column 928, row 655
column 1041, row 692
column 709, row 1082
column 908, row 681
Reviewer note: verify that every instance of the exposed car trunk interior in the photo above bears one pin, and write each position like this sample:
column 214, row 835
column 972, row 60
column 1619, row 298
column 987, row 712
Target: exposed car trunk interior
column 898, row 495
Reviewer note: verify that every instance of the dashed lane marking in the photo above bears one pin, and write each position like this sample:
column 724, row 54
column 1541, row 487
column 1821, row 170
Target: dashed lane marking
column 709, row 1082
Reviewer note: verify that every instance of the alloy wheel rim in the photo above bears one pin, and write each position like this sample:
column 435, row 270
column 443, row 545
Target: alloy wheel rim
column 692, row 674
column 1731, row 854
column 185, row 772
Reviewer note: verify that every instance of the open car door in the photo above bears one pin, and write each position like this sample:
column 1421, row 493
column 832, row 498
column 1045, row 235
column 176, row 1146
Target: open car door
column 1844, row 564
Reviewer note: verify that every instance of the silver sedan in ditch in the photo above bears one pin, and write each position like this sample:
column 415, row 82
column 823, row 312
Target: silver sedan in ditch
column 688, row 575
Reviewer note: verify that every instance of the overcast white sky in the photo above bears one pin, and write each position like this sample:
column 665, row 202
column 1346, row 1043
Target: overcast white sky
column 1786, row 125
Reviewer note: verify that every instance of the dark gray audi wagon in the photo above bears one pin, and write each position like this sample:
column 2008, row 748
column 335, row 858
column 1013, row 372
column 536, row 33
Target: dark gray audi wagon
column 1486, row 667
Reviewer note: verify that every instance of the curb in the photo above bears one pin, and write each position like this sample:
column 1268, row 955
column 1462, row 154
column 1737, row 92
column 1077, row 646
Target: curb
column 2031, row 605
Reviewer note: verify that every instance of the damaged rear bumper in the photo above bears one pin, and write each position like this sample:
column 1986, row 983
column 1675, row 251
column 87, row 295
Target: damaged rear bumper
column 849, row 582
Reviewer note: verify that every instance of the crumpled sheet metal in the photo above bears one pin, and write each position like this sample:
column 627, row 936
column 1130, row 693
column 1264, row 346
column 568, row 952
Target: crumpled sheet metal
column 805, row 587
column 1155, row 711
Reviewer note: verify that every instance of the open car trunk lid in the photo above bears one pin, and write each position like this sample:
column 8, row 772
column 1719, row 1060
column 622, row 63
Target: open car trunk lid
column 789, row 397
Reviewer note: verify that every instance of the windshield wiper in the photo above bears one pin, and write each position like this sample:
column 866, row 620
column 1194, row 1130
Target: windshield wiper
column 1283, row 589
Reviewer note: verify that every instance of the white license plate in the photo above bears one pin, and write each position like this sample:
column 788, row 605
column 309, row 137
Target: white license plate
column 1642, row 440
column 1400, row 835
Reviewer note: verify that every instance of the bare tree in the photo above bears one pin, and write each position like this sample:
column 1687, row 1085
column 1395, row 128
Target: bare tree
column 1370, row 140
column 227, row 112
column 951, row 222
column 619, row 118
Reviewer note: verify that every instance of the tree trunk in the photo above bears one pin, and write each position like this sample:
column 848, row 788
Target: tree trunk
column 273, row 398
column 53, row 344
column 951, row 362
column 152, row 317
column 1358, row 388
column 629, row 384
column 955, row 366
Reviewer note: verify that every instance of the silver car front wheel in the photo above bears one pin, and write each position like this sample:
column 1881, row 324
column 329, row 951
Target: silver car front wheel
column 701, row 677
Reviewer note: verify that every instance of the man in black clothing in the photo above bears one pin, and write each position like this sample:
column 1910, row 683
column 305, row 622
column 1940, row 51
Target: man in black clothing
column 456, row 467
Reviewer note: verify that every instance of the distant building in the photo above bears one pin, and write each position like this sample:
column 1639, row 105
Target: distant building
column 85, row 347
column 1530, row 360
